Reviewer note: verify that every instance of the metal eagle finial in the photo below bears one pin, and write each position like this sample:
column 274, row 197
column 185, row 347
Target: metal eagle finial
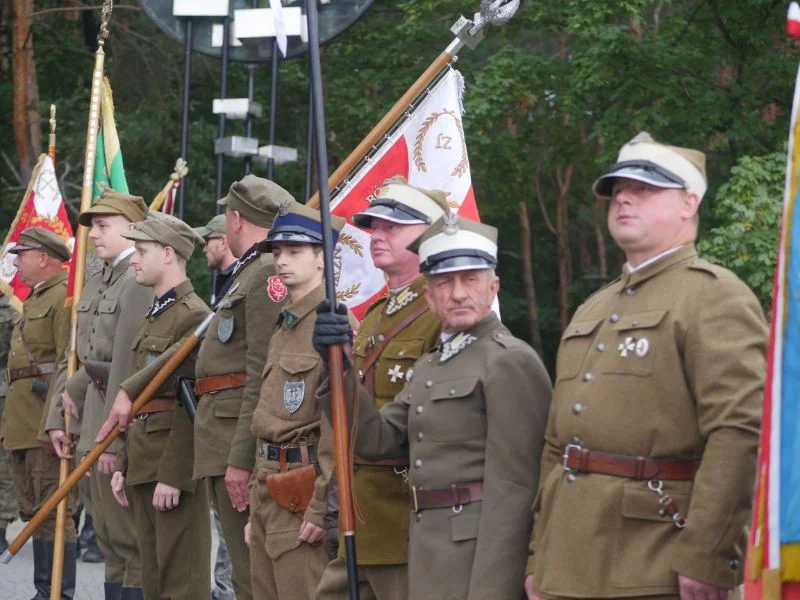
column 105, row 17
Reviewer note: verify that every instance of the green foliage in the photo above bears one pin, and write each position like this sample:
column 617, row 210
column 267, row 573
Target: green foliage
column 748, row 210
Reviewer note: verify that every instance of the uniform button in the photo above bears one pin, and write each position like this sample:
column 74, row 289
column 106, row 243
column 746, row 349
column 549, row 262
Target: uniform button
column 420, row 436
column 418, row 463
column 588, row 376
column 630, row 291
column 13, row 353
column 428, row 383
column 614, row 318
column 419, row 409
column 577, row 408
column 419, row 516
column 635, row 323
column 401, row 353
column 734, row 564
column 601, row 347
column 576, row 440
column 452, row 391
column 571, row 477
column 381, row 338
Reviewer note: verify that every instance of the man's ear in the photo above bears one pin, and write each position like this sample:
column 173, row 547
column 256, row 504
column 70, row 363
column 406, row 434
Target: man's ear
column 690, row 205
column 169, row 254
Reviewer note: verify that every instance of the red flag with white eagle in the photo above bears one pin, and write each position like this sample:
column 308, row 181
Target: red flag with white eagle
column 428, row 149
column 42, row 206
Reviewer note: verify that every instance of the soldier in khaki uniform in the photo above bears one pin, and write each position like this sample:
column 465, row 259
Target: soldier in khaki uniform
column 8, row 503
column 650, row 457
column 396, row 331
column 170, row 509
column 219, row 255
column 40, row 338
column 110, row 312
column 229, row 365
column 470, row 419
column 294, row 457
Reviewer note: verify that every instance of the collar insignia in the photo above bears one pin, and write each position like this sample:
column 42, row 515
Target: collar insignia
column 161, row 304
column 455, row 345
column 401, row 300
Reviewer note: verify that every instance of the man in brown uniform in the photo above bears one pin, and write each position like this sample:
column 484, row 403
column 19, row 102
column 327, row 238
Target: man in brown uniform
column 8, row 503
column 110, row 312
column 471, row 420
column 171, row 511
column 40, row 338
column 395, row 332
column 650, row 456
column 219, row 255
column 230, row 362
column 294, row 457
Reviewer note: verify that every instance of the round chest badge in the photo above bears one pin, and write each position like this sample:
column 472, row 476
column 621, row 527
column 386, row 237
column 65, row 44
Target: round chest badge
column 642, row 347
column 276, row 290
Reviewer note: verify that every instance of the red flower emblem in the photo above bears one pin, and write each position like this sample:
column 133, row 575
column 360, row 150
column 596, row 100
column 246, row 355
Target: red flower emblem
column 276, row 290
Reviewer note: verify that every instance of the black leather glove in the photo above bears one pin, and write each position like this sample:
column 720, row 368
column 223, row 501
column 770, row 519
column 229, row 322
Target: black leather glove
column 330, row 329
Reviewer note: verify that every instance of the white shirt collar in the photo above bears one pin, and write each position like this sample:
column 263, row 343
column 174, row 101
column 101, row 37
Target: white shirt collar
column 650, row 261
column 122, row 256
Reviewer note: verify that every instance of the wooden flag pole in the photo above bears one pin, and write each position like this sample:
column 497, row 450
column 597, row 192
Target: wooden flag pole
column 81, row 241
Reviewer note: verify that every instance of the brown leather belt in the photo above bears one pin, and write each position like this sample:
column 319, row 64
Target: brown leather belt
column 389, row 462
column 216, row 383
column 30, row 371
column 156, row 405
column 582, row 460
column 455, row 497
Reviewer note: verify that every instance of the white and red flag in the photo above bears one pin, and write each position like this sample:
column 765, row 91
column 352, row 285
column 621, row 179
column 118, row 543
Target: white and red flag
column 429, row 149
column 42, row 206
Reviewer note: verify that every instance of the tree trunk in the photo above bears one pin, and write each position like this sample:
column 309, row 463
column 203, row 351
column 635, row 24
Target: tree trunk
column 562, row 245
column 600, row 239
column 528, row 280
column 26, row 119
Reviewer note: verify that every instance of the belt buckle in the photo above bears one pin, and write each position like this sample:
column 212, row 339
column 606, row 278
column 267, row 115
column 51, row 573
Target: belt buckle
column 415, row 509
column 565, row 457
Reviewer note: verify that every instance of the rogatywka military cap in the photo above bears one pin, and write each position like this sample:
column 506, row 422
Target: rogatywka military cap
column 398, row 202
column 39, row 238
column 215, row 225
column 166, row 230
column 661, row 165
column 257, row 199
column 300, row 224
column 111, row 202
column 454, row 243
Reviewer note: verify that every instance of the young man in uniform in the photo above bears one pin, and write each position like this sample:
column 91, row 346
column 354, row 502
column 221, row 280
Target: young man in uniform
column 170, row 509
column 396, row 331
column 470, row 419
column 110, row 311
column 648, row 469
column 219, row 254
column 39, row 340
column 294, row 449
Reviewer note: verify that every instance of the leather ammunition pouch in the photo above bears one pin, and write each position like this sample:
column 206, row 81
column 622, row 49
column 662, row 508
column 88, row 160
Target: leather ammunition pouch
column 293, row 489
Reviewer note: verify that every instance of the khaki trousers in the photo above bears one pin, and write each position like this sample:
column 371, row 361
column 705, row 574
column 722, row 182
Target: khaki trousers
column 233, row 524
column 35, row 477
column 174, row 545
column 281, row 567
column 116, row 533
column 375, row 582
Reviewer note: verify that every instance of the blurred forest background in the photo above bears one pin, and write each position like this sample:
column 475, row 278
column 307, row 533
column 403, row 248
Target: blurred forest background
column 549, row 100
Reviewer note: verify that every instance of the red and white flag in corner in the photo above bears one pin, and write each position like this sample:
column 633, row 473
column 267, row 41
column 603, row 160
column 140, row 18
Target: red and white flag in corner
column 42, row 206
column 428, row 149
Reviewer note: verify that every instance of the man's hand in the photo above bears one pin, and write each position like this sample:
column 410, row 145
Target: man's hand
column 107, row 463
column 691, row 589
column 120, row 415
column 310, row 533
column 248, row 529
column 331, row 329
column 69, row 405
column 529, row 588
column 165, row 497
column 118, row 489
column 48, row 448
column 62, row 444
column 236, row 483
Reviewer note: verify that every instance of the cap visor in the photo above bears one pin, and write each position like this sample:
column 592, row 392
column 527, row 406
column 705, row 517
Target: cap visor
column 139, row 236
column 604, row 185
column 85, row 218
column 222, row 201
column 387, row 213
column 21, row 247
column 203, row 232
column 459, row 263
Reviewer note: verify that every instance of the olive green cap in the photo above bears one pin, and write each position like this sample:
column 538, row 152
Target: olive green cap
column 215, row 225
column 257, row 199
column 39, row 238
column 167, row 231
column 110, row 202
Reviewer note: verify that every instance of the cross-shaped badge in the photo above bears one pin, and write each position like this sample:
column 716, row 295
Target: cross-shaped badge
column 627, row 346
column 396, row 373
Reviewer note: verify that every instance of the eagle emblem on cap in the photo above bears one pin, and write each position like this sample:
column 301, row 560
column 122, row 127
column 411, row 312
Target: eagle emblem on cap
column 284, row 206
column 450, row 221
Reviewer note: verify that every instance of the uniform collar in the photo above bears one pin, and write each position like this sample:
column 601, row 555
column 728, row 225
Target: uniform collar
column 456, row 342
column 294, row 313
column 40, row 287
column 118, row 266
column 404, row 297
column 252, row 253
column 171, row 297
column 684, row 254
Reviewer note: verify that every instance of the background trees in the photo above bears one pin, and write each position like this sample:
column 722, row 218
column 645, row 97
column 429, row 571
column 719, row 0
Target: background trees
column 549, row 100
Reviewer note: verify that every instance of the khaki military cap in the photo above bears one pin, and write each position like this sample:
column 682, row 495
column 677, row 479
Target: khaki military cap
column 644, row 159
column 215, row 225
column 302, row 225
column 39, row 238
column 110, row 202
column 166, row 230
column 398, row 202
column 454, row 243
column 257, row 199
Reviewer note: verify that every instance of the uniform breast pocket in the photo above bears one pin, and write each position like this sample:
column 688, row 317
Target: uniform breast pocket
column 37, row 329
column 635, row 341
column 392, row 368
column 107, row 307
column 458, row 410
column 153, row 346
column 575, row 344
column 296, row 386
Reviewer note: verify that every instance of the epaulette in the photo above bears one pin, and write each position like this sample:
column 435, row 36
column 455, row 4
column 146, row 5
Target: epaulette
column 506, row 340
column 379, row 303
column 701, row 264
